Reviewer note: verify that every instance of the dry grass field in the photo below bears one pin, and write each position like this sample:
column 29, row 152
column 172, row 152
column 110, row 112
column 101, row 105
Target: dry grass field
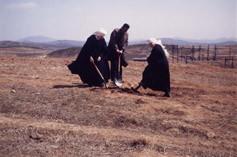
column 47, row 111
column 24, row 51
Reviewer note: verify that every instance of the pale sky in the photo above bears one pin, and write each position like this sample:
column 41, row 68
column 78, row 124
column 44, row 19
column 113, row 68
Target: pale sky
column 78, row 19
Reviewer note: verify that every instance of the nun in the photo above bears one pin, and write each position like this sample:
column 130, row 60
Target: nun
column 92, row 62
column 156, row 75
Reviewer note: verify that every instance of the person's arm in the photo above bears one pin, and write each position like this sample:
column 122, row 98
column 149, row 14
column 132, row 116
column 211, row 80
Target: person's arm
column 112, row 42
column 86, row 51
column 156, row 56
column 152, row 58
column 149, row 59
column 92, row 50
column 125, row 41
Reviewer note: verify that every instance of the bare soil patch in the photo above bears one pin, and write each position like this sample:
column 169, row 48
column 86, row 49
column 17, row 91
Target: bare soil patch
column 47, row 111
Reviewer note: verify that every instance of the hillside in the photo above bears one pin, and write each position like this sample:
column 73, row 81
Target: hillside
column 24, row 51
column 37, row 39
column 190, row 42
column 141, row 50
column 69, row 52
column 54, row 45
column 47, row 111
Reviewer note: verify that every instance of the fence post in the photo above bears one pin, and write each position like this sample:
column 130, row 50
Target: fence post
column 193, row 51
column 173, row 48
column 225, row 61
column 214, row 57
column 186, row 58
column 199, row 52
column 232, row 62
column 177, row 54
column 208, row 52
column 230, row 51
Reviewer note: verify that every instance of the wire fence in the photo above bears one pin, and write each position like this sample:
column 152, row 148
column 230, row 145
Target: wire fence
column 224, row 56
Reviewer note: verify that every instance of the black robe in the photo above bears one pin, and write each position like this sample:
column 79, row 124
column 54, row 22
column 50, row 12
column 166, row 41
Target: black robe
column 156, row 75
column 85, row 69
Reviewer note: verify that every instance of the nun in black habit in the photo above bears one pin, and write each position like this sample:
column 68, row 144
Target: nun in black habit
column 156, row 75
column 93, row 51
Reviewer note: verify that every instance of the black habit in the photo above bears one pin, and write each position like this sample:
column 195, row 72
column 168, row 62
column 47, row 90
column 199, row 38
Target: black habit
column 156, row 75
column 85, row 69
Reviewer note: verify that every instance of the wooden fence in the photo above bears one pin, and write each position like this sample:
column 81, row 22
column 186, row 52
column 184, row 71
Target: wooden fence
column 224, row 55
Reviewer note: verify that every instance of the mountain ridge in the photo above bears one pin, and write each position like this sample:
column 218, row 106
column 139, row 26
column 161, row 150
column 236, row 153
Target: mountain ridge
column 37, row 39
column 186, row 42
column 64, row 44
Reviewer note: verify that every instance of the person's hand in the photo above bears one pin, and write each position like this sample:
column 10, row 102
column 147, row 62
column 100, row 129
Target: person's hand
column 91, row 59
column 119, row 52
column 99, row 59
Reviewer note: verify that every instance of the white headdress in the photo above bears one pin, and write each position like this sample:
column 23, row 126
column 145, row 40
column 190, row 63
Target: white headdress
column 100, row 32
column 158, row 42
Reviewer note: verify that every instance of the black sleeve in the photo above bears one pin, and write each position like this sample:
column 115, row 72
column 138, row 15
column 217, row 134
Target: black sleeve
column 104, row 50
column 112, row 42
column 157, row 55
column 151, row 58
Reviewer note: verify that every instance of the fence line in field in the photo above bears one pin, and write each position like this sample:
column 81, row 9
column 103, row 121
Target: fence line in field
column 221, row 54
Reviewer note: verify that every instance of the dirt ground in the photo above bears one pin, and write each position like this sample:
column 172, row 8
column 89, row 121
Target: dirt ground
column 47, row 111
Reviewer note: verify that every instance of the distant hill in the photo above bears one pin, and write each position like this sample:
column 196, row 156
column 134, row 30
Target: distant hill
column 188, row 42
column 71, row 43
column 5, row 44
column 226, row 43
column 41, row 42
column 54, row 45
column 37, row 39
column 48, row 43
column 140, row 50
column 208, row 41
column 69, row 52
column 171, row 41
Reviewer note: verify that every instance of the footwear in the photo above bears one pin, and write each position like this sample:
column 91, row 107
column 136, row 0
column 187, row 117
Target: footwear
column 124, row 63
column 167, row 94
column 135, row 89
column 101, row 85
column 143, row 85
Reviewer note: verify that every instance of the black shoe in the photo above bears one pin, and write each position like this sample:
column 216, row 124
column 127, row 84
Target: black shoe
column 102, row 85
column 143, row 85
column 124, row 63
column 167, row 94
column 135, row 89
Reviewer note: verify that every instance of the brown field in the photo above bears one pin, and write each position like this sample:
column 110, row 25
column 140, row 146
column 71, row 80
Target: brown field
column 24, row 51
column 47, row 111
